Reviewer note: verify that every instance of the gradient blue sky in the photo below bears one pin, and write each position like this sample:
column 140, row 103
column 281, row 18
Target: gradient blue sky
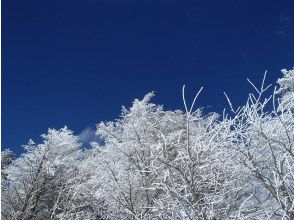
column 76, row 63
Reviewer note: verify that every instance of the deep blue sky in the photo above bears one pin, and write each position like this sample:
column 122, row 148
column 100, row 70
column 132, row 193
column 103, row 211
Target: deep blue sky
column 77, row 62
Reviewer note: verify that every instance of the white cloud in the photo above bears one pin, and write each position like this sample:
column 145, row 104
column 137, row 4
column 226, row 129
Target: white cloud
column 88, row 135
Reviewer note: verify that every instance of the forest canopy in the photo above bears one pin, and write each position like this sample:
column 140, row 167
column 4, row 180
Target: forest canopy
column 153, row 163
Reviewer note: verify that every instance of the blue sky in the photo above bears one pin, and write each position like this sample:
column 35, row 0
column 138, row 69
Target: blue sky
column 76, row 63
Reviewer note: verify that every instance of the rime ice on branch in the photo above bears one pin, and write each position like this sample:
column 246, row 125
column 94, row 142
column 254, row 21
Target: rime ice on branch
column 158, row 164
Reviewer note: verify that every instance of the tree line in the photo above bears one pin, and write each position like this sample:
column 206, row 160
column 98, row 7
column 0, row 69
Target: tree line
column 153, row 163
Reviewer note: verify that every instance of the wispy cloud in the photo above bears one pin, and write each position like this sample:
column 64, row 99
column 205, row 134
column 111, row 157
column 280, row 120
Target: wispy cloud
column 88, row 135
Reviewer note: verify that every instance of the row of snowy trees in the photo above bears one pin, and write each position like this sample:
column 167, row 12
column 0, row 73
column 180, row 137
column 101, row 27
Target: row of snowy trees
column 158, row 164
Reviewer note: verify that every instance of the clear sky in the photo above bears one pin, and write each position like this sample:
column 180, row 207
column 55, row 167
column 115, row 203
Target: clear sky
column 76, row 63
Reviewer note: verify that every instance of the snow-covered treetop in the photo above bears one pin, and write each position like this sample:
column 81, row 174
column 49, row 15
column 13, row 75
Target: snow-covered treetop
column 286, row 89
column 6, row 157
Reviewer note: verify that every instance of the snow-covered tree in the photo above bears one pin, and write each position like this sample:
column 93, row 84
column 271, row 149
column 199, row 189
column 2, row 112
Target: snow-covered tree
column 153, row 163
column 286, row 89
column 124, row 163
column 41, row 181
column 7, row 156
column 193, row 166
column 163, row 164
column 263, row 153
